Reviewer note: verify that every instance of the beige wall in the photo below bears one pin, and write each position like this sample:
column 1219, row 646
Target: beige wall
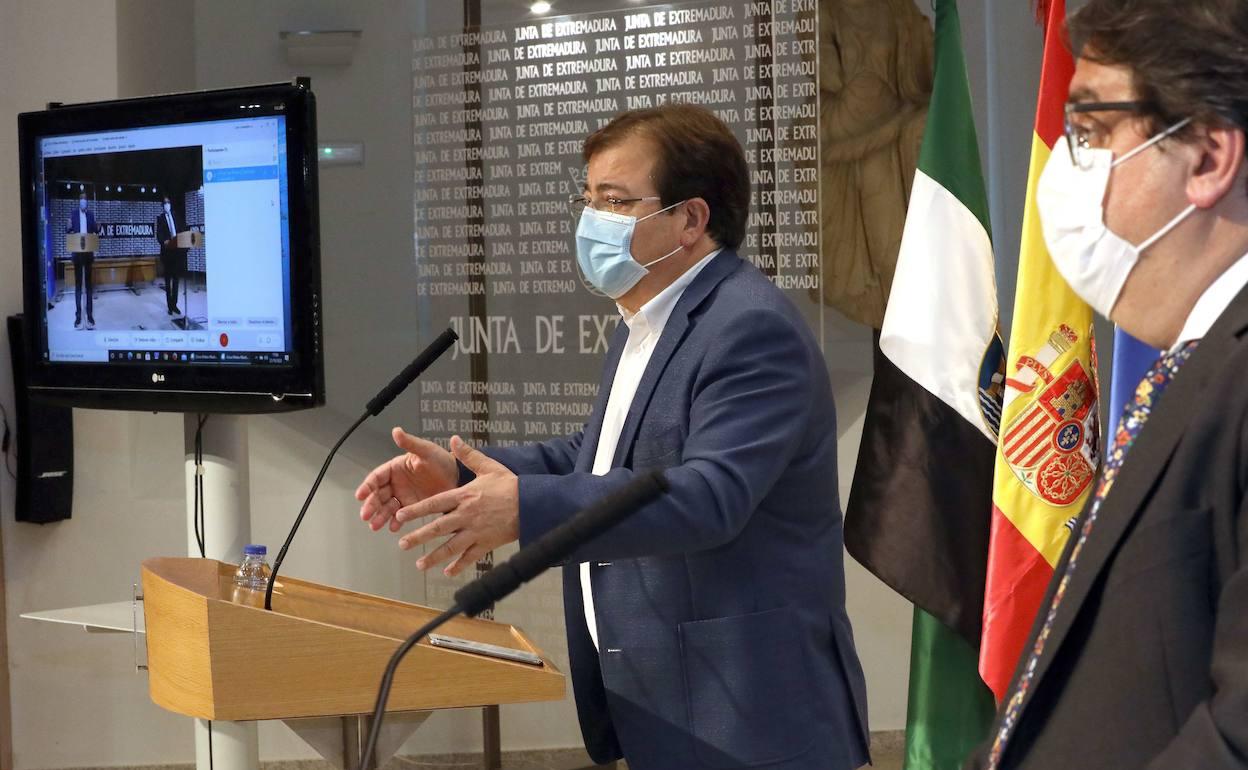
column 60, row 676
column 155, row 47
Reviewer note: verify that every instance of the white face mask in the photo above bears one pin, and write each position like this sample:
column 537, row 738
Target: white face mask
column 1093, row 259
column 168, row 208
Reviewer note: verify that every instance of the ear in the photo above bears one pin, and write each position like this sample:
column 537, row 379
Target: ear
column 1219, row 166
column 697, row 216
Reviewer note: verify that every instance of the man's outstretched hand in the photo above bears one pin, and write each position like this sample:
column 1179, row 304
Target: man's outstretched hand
column 475, row 518
column 422, row 471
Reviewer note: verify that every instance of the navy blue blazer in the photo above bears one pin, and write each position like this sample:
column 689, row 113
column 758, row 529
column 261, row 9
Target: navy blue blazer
column 724, row 640
column 72, row 226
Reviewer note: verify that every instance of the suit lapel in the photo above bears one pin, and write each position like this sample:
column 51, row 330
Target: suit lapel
column 1140, row 473
column 673, row 333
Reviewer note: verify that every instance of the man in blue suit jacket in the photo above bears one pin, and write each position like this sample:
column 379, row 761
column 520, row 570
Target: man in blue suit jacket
column 709, row 629
column 83, row 221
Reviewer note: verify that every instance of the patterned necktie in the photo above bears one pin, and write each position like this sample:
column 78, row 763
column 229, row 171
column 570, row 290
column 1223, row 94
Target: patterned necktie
column 1135, row 413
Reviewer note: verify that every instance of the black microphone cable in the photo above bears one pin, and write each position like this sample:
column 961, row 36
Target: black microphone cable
column 524, row 565
column 198, row 509
column 379, row 402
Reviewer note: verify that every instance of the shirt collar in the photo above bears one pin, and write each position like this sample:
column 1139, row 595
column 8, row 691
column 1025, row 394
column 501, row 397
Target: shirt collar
column 1213, row 303
column 651, row 317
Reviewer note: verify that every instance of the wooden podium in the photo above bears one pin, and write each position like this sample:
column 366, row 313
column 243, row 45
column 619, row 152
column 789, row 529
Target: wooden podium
column 190, row 239
column 76, row 243
column 214, row 654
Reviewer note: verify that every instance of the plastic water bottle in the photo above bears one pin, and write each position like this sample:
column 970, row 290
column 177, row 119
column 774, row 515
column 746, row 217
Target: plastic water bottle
column 253, row 573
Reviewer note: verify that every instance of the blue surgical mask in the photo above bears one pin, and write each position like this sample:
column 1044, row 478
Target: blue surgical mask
column 604, row 250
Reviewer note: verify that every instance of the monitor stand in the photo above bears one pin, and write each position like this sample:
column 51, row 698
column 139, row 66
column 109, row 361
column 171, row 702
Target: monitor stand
column 227, row 525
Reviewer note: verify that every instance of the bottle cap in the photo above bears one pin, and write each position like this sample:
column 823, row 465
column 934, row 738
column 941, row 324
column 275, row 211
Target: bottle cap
column 254, row 550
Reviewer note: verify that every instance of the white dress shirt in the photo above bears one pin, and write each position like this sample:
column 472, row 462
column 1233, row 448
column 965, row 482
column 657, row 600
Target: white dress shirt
column 1213, row 303
column 644, row 329
column 82, row 221
column 169, row 220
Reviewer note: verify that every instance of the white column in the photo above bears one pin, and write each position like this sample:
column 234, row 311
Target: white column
column 227, row 528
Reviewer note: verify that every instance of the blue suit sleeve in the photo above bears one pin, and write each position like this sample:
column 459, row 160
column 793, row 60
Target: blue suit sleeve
column 747, row 417
column 553, row 458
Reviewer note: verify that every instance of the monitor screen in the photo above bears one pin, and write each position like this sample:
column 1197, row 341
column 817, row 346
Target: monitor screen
column 166, row 238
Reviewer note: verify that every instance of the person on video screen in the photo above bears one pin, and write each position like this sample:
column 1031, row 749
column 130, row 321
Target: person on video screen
column 172, row 258
column 83, row 221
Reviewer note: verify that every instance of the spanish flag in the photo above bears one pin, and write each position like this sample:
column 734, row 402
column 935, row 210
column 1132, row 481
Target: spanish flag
column 1048, row 450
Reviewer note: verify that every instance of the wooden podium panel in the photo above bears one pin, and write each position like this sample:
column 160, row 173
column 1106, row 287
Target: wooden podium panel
column 190, row 239
column 80, row 242
column 114, row 271
column 320, row 652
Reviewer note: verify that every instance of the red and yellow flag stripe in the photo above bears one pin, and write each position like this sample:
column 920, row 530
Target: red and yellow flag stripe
column 1048, row 449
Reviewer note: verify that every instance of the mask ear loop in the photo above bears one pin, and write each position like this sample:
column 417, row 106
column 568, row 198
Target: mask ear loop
column 665, row 256
column 1185, row 213
column 1163, row 232
column 660, row 211
column 1169, row 131
column 678, row 247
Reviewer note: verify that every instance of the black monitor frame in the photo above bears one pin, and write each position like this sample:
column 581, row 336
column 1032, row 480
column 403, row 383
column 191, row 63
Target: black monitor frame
column 187, row 387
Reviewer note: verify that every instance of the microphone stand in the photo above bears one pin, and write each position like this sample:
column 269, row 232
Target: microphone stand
column 379, row 402
column 523, row 566
column 277, row 563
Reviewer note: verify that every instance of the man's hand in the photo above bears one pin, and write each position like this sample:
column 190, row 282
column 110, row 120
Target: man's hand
column 425, row 469
column 479, row 516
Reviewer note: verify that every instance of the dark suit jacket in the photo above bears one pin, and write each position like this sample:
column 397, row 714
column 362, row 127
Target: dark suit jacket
column 721, row 607
column 1147, row 664
column 72, row 226
column 173, row 258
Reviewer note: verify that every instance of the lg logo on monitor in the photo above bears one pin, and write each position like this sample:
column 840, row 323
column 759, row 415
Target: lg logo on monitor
column 158, row 377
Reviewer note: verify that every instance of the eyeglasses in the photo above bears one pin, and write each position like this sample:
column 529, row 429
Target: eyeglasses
column 578, row 203
column 1082, row 139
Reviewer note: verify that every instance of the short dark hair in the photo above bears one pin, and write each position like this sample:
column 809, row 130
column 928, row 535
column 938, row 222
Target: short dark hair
column 698, row 157
column 1187, row 58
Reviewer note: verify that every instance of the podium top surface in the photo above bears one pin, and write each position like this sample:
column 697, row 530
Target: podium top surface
column 364, row 613
column 214, row 652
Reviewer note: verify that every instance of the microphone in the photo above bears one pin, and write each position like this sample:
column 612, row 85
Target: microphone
column 523, row 566
column 380, row 401
column 411, row 372
column 555, row 545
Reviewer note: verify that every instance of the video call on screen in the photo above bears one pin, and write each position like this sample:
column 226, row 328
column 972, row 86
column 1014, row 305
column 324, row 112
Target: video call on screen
column 226, row 270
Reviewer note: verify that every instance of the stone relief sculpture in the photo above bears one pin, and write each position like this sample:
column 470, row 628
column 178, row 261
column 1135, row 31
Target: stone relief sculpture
column 875, row 81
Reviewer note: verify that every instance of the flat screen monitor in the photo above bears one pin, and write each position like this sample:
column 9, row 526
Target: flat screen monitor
column 171, row 254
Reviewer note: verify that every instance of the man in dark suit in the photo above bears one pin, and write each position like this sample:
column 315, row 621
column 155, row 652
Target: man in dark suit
column 709, row 629
column 1139, row 655
column 83, row 221
column 172, row 259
